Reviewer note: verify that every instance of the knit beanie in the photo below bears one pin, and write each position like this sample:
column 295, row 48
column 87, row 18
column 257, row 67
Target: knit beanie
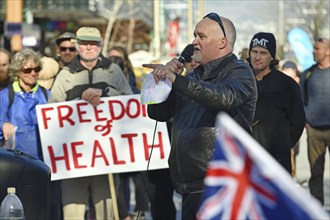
column 264, row 40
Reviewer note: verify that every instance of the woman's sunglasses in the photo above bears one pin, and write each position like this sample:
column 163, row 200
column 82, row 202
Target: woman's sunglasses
column 36, row 69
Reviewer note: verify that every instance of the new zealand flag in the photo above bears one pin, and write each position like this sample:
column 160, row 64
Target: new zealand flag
column 244, row 182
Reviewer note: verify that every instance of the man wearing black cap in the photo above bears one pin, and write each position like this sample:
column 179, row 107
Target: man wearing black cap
column 65, row 48
column 279, row 118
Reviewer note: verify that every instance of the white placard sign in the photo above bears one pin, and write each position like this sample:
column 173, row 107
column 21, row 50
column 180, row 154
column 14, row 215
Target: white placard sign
column 116, row 136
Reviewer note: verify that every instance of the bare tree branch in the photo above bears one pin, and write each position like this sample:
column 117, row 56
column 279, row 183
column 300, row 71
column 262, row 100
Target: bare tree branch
column 112, row 18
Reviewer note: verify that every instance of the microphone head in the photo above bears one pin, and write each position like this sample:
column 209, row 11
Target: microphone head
column 187, row 53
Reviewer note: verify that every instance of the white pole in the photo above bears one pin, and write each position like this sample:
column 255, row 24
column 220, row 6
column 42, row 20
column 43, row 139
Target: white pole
column 281, row 24
column 201, row 7
column 190, row 21
column 156, row 39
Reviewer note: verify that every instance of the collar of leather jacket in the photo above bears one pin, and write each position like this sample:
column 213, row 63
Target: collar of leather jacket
column 212, row 69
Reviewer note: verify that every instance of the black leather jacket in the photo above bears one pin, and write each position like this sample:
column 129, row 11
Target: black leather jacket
column 225, row 84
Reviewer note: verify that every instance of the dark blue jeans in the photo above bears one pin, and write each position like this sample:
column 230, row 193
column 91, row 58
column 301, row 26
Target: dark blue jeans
column 160, row 192
column 190, row 205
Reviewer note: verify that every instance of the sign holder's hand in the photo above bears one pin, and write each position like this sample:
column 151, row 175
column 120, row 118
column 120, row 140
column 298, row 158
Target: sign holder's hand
column 92, row 95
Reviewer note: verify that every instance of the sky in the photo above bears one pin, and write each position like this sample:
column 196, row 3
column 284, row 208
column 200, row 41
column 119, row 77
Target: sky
column 252, row 16
column 249, row 17
column 237, row 9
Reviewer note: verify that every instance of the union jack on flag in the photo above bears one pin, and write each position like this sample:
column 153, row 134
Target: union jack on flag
column 244, row 182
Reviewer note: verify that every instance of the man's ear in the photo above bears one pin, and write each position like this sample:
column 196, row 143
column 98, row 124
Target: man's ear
column 223, row 43
column 328, row 52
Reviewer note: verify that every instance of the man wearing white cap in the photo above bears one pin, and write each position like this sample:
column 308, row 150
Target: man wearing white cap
column 89, row 76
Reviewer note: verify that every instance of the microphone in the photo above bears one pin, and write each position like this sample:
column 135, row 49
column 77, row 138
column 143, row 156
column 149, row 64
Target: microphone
column 186, row 53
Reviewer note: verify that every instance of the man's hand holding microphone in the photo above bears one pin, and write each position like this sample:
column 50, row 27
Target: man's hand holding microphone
column 175, row 66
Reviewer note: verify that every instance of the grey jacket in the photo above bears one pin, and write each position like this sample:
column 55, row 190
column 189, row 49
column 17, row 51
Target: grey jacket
column 73, row 79
column 225, row 84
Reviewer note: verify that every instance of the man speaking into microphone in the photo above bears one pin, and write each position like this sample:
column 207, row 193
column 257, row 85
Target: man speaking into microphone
column 220, row 83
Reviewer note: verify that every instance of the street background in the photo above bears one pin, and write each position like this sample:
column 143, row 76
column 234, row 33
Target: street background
column 142, row 27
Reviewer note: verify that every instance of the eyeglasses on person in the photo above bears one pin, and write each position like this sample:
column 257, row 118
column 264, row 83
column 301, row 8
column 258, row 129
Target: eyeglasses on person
column 215, row 17
column 36, row 69
column 71, row 49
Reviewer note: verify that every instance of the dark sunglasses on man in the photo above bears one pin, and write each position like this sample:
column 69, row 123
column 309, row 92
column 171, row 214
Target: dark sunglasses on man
column 215, row 17
column 71, row 49
column 36, row 69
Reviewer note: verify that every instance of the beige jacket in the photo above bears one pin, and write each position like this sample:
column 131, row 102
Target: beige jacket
column 50, row 68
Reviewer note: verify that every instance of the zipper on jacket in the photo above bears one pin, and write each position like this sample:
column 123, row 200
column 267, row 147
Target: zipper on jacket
column 178, row 159
column 90, row 77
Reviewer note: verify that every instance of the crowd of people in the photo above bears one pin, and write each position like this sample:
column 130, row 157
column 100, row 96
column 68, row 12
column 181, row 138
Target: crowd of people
column 273, row 104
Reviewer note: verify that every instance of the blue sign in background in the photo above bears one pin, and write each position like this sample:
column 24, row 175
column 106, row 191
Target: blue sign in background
column 302, row 47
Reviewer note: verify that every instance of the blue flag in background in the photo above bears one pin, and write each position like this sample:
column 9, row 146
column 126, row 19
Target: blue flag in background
column 244, row 182
column 302, row 47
